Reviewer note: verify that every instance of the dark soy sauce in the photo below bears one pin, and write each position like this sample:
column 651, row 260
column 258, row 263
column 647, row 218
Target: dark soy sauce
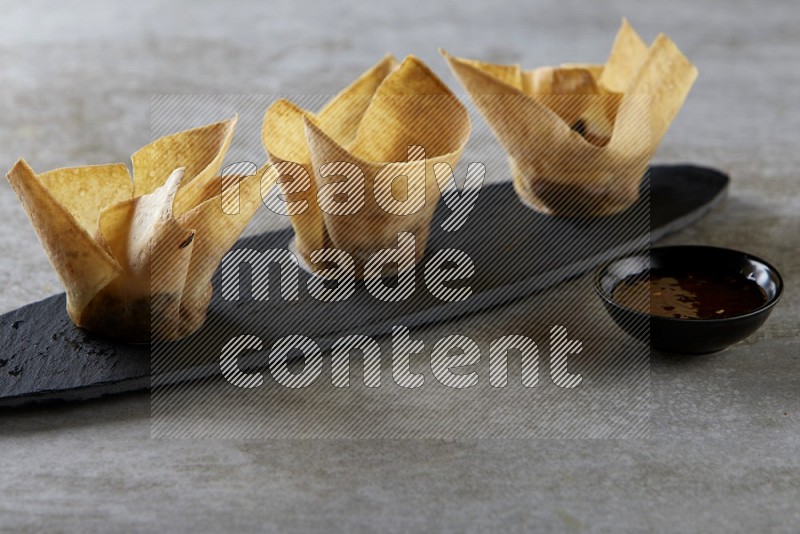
column 690, row 295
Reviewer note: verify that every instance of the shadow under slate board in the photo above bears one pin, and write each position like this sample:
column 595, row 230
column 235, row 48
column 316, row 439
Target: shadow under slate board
column 516, row 253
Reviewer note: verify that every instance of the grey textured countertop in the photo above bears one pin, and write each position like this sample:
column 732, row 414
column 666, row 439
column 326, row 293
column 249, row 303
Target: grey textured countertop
column 724, row 446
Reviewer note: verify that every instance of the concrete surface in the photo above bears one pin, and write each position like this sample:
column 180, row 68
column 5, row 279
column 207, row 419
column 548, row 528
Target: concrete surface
column 724, row 447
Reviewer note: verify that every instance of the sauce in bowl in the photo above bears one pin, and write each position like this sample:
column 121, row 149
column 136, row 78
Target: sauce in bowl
column 690, row 295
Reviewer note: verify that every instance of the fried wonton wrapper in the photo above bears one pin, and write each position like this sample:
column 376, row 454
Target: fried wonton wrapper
column 136, row 256
column 580, row 137
column 372, row 125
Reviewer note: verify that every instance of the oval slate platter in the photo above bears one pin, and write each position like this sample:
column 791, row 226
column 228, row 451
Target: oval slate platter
column 516, row 252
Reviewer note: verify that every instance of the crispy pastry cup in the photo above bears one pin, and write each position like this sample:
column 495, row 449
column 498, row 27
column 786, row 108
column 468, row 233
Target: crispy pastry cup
column 136, row 255
column 580, row 137
column 396, row 120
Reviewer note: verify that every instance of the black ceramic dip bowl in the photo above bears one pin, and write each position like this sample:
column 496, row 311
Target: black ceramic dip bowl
column 689, row 299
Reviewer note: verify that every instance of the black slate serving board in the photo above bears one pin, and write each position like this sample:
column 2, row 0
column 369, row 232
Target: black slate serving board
column 516, row 253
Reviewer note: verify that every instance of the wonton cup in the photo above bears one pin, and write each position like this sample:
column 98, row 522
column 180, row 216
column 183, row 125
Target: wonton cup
column 580, row 137
column 136, row 256
column 372, row 124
